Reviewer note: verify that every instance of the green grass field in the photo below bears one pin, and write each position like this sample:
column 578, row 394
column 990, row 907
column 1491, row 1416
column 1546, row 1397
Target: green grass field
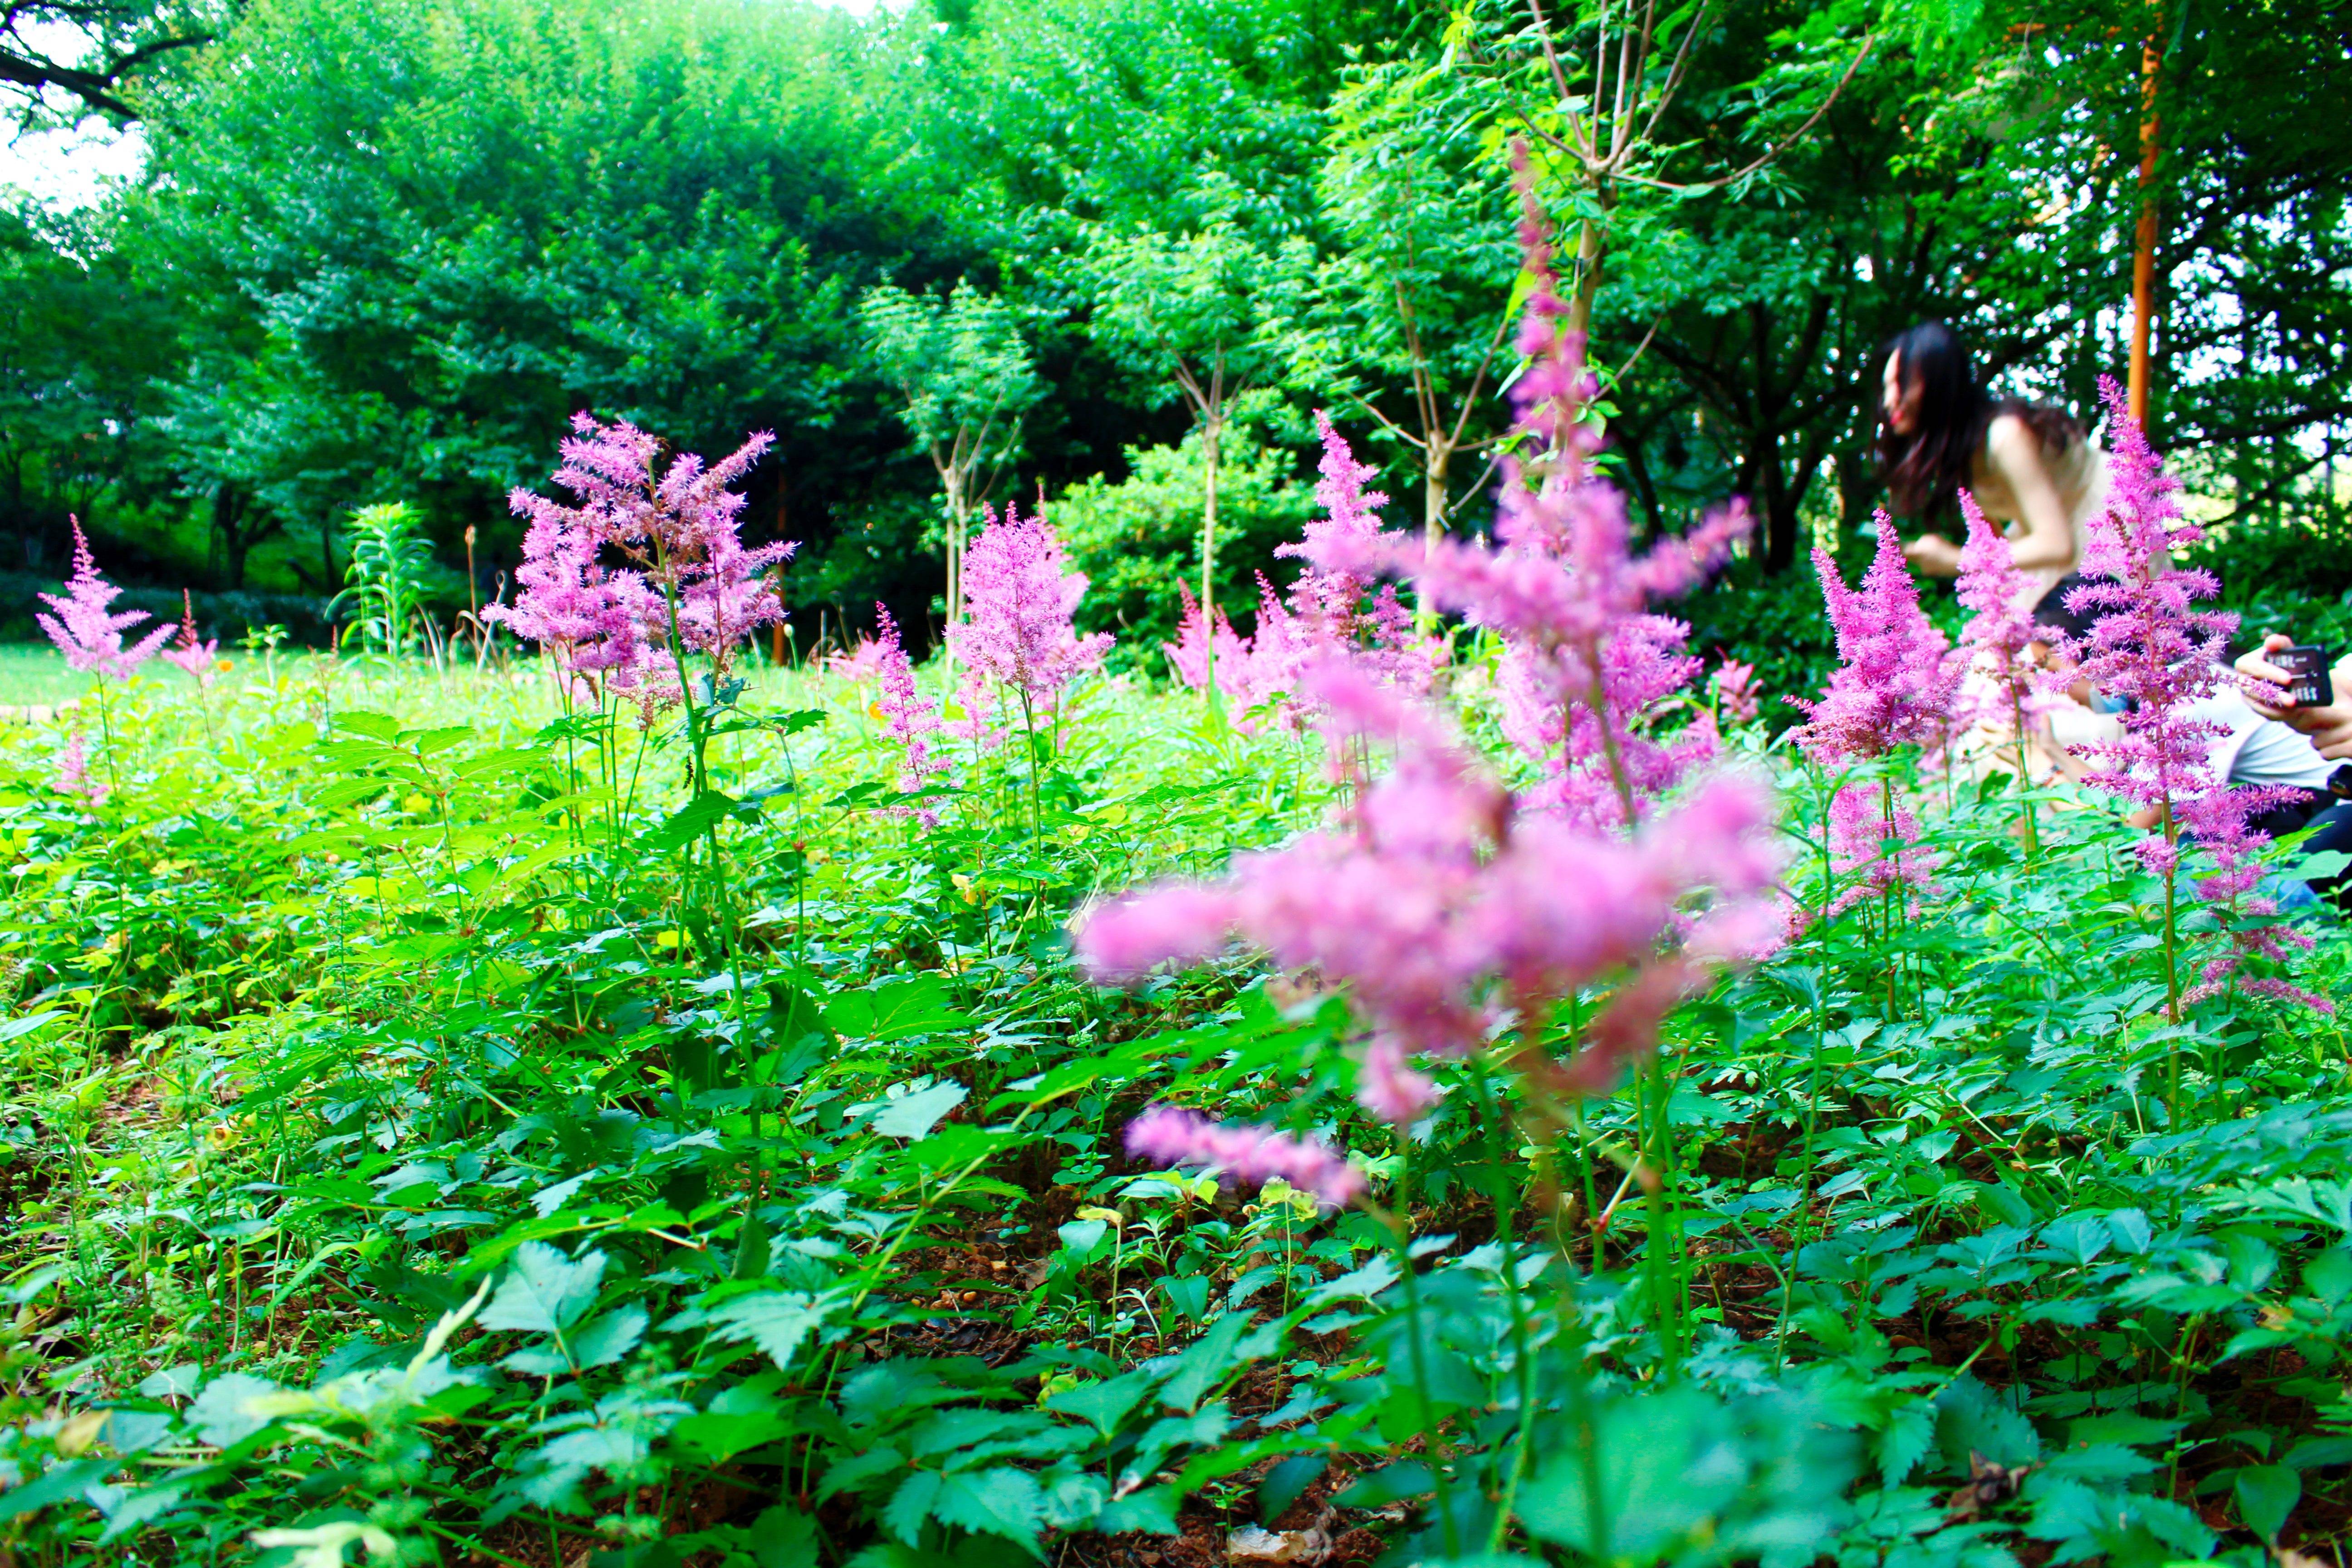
column 36, row 672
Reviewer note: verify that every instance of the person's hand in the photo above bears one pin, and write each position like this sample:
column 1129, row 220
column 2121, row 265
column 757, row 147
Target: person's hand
column 2329, row 727
column 2332, row 740
column 2259, row 671
column 1934, row 554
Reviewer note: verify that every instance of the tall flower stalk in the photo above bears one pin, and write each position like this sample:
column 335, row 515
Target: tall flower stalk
column 911, row 717
column 192, row 658
column 90, row 634
column 643, row 569
column 1994, row 642
column 2152, row 646
column 1018, row 636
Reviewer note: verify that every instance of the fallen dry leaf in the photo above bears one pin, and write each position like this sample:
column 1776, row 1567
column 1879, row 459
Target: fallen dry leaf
column 1252, row 1544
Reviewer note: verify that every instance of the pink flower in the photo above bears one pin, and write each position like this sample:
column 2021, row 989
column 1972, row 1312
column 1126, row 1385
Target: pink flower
column 1250, row 1155
column 1333, row 607
column 912, row 718
column 2001, row 625
column 676, row 526
column 1734, row 692
column 85, row 631
column 2152, row 648
column 72, row 775
column 1587, row 663
column 1441, row 911
column 1018, row 633
column 188, row 653
column 1894, row 687
column 1188, row 656
column 1860, row 834
column 864, row 660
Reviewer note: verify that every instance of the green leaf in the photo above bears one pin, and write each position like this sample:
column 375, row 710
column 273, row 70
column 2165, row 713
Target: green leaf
column 778, row 1321
column 894, row 1009
column 910, row 1505
column 62, row 1484
column 607, row 1339
column 2266, row 1495
column 913, row 1115
column 783, row 1537
column 544, row 1290
column 751, row 1249
column 1204, row 1362
column 695, row 818
column 1104, row 1404
column 219, row 1414
column 1286, row 1483
column 1001, row 1501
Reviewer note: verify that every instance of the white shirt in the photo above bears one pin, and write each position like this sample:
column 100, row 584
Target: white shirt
column 2258, row 750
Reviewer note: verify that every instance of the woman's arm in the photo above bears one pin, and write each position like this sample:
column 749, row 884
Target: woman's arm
column 2014, row 452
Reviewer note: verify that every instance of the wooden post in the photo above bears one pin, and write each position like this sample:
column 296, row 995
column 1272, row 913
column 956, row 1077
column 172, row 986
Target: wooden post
column 2151, row 65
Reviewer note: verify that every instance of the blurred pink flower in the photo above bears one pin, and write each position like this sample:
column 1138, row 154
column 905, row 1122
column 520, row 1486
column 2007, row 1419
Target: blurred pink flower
column 1736, row 698
column 72, row 775
column 864, row 660
column 1250, row 1155
column 1440, row 909
column 86, row 632
column 1188, row 656
column 1860, row 835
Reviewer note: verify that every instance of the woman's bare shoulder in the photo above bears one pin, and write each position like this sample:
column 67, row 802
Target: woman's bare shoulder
column 2006, row 435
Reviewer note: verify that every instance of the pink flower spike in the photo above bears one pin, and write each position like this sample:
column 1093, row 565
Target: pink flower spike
column 196, row 659
column 1894, row 687
column 2153, row 646
column 1250, row 1155
column 676, row 527
column 85, row 631
column 1860, row 835
column 1188, row 656
column 72, row 775
column 912, row 717
column 864, row 660
column 1019, row 603
column 1734, row 692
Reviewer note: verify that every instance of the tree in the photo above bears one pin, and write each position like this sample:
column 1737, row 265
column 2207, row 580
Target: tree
column 120, row 39
column 1418, row 293
column 964, row 379
column 1207, row 310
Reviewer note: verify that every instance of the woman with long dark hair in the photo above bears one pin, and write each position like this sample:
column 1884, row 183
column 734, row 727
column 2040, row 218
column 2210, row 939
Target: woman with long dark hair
column 2030, row 465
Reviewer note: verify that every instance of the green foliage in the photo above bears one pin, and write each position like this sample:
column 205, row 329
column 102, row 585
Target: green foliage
column 1138, row 538
column 391, row 564
column 428, row 1131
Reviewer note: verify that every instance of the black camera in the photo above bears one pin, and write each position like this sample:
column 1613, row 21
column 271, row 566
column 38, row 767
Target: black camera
column 2313, row 685
column 2339, row 782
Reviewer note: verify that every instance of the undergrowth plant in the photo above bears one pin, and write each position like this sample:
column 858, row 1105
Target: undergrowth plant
column 633, row 1108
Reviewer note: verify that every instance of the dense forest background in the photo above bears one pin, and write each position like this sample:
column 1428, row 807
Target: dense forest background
column 382, row 251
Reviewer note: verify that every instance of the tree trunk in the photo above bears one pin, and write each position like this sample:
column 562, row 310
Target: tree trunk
column 2144, row 250
column 1215, row 432
column 1437, row 455
column 1591, row 245
column 228, row 516
column 953, row 477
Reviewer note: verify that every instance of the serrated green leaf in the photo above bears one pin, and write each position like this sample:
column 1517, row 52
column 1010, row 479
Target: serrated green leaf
column 543, row 1290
